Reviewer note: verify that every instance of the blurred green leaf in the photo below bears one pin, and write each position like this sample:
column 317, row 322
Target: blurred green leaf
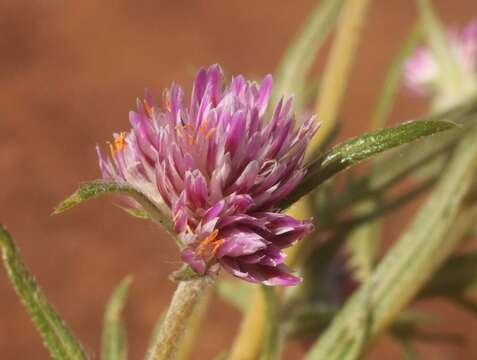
column 312, row 320
column 449, row 71
column 393, row 166
column 393, row 79
column 236, row 292
column 408, row 351
column 114, row 341
column 52, row 328
column 458, row 276
column 466, row 304
column 362, row 242
column 419, row 252
column 96, row 188
column 362, row 147
column 293, row 70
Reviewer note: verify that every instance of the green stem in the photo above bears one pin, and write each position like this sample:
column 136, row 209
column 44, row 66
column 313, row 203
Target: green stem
column 185, row 302
column 272, row 344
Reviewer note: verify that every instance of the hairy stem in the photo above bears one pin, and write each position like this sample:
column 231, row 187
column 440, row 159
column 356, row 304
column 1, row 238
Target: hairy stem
column 177, row 322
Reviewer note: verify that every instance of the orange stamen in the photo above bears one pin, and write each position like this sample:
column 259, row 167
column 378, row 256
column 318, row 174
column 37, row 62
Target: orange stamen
column 147, row 108
column 176, row 216
column 167, row 101
column 120, row 141
column 209, row 239
column 217, row 245
column 111, row 149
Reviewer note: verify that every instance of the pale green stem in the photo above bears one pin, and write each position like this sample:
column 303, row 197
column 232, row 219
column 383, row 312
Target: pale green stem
column 338, row 68
column 273, row 340
column 249, row 340
column 185, row 302
column 185, row 347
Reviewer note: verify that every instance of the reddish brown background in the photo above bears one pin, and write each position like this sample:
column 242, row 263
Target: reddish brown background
column 69, row 74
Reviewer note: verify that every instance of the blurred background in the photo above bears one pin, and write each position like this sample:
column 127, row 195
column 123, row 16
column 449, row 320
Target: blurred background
column 70, row 72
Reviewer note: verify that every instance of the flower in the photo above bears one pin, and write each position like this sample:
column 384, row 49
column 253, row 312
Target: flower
column 218, row 168
column 421, row 70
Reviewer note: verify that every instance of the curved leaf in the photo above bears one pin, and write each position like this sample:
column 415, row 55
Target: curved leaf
column 114, row 342
column 96, row 188
column 51, row 327
column 360, row 148
column 419, row 252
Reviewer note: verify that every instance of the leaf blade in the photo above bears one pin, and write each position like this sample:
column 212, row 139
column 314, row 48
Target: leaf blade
column 51, row 327
column 418, row 253
column 113, row 340
column 360, row 148
column 96, row 188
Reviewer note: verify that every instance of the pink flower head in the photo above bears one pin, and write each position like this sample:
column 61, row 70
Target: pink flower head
column 218, row 167
column 421, row 70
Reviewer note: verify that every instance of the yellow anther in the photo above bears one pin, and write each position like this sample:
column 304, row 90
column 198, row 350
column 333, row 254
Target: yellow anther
column 147, row 108
column 189, row 230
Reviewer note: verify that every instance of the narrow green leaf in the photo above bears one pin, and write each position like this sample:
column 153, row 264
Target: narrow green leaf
column 293, row 70
column 312, row 320
column 393, row 79
column 411, row 262
column 449, row 71
column 114, row 341
column 51, row 327
column 96, row 188
column 365, row 146
column 393, row 166
column 237, row 293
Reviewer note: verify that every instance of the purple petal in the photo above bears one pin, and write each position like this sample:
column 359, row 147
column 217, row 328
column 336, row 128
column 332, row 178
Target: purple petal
column 195, row 261
column 240, row 241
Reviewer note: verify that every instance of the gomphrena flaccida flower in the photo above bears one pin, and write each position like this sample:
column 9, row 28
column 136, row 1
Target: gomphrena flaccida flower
column 422, row 73
column 217, row 167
